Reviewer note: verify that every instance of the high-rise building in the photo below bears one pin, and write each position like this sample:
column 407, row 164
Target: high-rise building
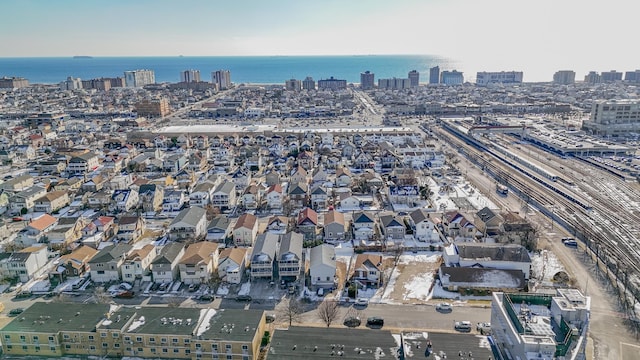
column 139, row 78
column 453, row 77
column 293, row 85
column 541, row 326
column 13, row 82
column 632, row 76
column 367, row 80
column 98, row 84
column 222, row 78
column 593, row 78
column 394, row 84
column 332, row 84
column 414, row 78
column 434, row 75
column 484, row 78
column 308, row 83
column 612, row 117
column 190, row 76
column 564, row 77
column 71, row 84
column 611, row 76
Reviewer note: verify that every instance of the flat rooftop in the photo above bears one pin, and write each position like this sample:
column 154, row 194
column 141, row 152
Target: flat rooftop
column 53, row 317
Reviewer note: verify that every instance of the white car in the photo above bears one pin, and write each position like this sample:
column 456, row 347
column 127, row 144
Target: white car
column 362, row 301
column 444, row 307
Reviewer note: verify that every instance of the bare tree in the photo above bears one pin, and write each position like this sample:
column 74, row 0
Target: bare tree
column 174, row 302
column 328, row 311
column 292, row 310
column 100, row 296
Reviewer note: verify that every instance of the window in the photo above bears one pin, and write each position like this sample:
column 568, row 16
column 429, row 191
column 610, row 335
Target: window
column 50, row 338
column 9, row 347
column 35, row 338
column 174, row 340
column 7, row 338
column 104, row 334
column 92, row 347
column 214, row 348
column 176, row 350
column 153, row 350
column 152, row 339
column 24, row 338
column 127, row 338
column 141, row 350
column 115, row 335
column 139, row 339
column 24, row 347
column 116, row 345
column 90, row 337
column 165, row 350
column 198, row 346
column 186, row 341
column 67, row 346
column 229, row 357
column 37, row 348
column 163, row 340
column 105, row 345
column 51, row 348
column 228, row 347
column 187, row 351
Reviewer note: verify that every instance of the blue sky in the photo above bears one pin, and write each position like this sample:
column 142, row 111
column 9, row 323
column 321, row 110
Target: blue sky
column 570, row 34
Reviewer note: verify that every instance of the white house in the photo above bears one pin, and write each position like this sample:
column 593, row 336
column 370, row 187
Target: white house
column 231, row 265
column 105, row 266
column 322, row 266
column 164, row 268
column 422, row 225
column 190, row 223
column 137, row 263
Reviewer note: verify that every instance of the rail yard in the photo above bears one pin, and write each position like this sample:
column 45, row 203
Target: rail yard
column 596, row 204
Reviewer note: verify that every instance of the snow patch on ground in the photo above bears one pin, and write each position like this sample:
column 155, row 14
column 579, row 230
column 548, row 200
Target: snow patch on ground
column 386, row 291
column 418, row 287
column 245, row 289
column 222, row 290
column 422, row 257
column 545, row 265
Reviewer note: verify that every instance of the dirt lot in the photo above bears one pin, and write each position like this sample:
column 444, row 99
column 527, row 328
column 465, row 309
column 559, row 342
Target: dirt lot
column 408, row 287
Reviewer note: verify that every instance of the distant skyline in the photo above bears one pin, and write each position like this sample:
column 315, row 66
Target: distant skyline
column 536, row 37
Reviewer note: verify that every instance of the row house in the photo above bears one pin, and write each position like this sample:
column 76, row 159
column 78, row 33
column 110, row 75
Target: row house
column 130, row 228
column 224, row 196
column 137, row 263
column 275, row 197
column 245, row 230
column 173, row 200
column 290, row 261
column 231, row 264
column 124, row 200
column 106, row 264
column 164, row 267
column 25, row 264
column 218, row 229
column 263, row 256
column 198, row 263
column 151, row 197
column 202, row 194
column 52, row 201
column 26, row 199
column 83, row 164
column 76, row 263
column 17, row 184
column 36, row 231
column 190, row 223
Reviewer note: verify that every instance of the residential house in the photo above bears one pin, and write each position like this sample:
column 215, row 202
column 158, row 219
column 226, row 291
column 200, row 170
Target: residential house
column 151, row 197
column 275, row 197
column 334, row 226
column 264, row 255
column 516, row 230
column 477, row 278
column 202, row 194
column 173, row 200
column 224, row 196
column 368, row 270
column 25, row 200
column 306, row 160
column 299, row 176
column 173, row 163
column 17, row 184
column 218, row 229
column 392, row 227
column 164, row 267
column 490, row 256
column 250, row 198
column 137, row 264
column 130, row 228
column 105, row 265
column 422, row 225
column 319, row 197
column 298, row 195
column 344, row 178
column 198, row 263
column 106, row 225
column 231, row 264
column 245, row 230
column 322, row 266
column 124, row 200
column 290, row 261
column 190, row 223
column 349, row 202
column 456, row 225
column 363, row 225
column 95, row 183
column 307, row 223
column 52, row 201
column 36, row 231
column 25, row 264
column 488, row 221
column 319, row 175
column 76, row 263
column 83, row 164
column 272, row 177
column 67, row 231
column 278, row 224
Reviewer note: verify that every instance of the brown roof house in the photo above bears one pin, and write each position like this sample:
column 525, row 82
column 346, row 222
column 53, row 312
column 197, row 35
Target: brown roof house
column 368, row 270
column 231, row 264
column 245, row 230
column 198, row 262
column 75, row 263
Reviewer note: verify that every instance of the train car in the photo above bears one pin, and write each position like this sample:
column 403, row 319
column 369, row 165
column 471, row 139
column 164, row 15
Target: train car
column 502, row 190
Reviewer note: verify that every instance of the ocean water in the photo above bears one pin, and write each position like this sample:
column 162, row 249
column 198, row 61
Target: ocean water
column 244, row 69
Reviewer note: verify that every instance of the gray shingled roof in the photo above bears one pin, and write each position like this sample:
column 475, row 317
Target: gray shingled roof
column 499, row 252
column 291, row 243
column 266, row 244
column 189, row 216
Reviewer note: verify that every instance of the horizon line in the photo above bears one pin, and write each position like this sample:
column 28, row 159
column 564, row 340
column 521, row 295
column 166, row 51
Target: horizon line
column 252, row 55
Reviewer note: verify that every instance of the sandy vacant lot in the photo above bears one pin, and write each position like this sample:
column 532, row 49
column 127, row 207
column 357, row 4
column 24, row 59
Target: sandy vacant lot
column 411, row 280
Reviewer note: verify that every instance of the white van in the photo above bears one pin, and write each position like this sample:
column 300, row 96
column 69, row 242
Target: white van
column 464, row 326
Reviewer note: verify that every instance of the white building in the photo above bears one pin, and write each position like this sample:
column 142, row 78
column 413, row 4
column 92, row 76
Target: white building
column 71, row 84
column 190, row 76
column 139, row 78
column 222, row 78
column 322, row 266
column 484, row 78
column 610, row 117
column 527, row 326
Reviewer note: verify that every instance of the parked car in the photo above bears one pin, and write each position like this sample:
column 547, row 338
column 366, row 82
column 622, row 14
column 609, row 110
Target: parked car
column 127, row 294
column 243, row 298
column 483, row 327
column 193, row 287
column 352, row 321
column 206, row 297
column 375, row 321
column 444, row 307
column 270, row 317
column 16, row 311
column 462, row 326
column 362, row 302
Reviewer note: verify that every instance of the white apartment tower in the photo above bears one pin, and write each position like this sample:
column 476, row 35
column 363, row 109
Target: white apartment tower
column 222, row 78
column 367, row 80
column 190, row 76
column 564, row 77
column 308, row 83
column 139, row 78
column 414, row 78
column 293, row 85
